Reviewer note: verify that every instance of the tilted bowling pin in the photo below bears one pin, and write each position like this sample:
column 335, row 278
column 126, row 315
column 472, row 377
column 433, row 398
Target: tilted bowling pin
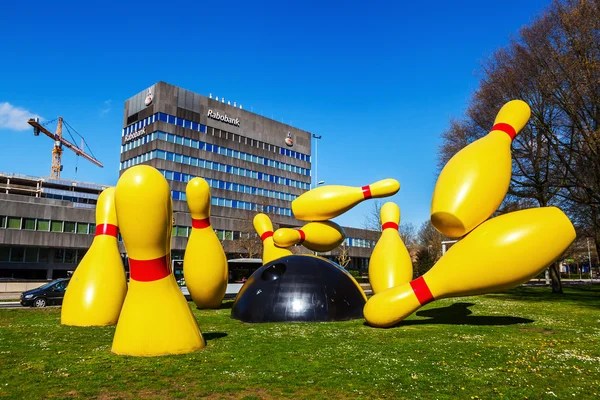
column 327, row 202
column 499, row 254
column 204, row 262
column 315, row 236
column 155, row 319
column 474, row 182
column 97, row 289
column 264, row 228
column 390, row 264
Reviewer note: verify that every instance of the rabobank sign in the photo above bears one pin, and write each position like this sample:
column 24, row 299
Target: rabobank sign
column 223, row 118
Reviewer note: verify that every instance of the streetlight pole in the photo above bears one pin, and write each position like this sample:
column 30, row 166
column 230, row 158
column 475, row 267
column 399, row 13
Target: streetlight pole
column 317, row 137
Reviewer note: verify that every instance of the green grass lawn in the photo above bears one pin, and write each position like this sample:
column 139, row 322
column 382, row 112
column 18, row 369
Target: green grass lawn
column 526, row 343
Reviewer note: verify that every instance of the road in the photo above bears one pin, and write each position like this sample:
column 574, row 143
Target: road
column 10, row 304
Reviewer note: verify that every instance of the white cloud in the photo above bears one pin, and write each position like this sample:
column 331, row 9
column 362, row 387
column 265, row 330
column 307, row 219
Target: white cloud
column 107, row 107
column 15, row 118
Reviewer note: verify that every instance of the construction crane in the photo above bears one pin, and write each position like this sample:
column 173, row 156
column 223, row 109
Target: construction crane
column 59, row 142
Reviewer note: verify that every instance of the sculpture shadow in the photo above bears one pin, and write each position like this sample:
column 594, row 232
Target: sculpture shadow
column 459, row 314
column 213, row 335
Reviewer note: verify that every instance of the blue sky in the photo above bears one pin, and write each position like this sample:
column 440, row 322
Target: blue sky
column 379, row 80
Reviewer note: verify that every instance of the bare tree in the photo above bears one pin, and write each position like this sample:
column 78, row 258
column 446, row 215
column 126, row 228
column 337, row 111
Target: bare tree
column 554, row 65
column 343, row 258
column 249, row 244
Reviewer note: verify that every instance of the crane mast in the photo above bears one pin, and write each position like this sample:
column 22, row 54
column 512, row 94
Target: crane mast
column 57, row 152
column 59, row 142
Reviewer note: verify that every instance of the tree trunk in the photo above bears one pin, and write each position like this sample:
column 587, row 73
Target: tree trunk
column 555, row 276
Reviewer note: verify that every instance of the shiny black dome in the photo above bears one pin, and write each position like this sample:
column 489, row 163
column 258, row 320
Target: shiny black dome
column 299, row 288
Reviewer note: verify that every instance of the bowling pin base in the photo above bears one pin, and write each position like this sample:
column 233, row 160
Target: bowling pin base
column 448, row 224
column 391, row 306
column 156, row 320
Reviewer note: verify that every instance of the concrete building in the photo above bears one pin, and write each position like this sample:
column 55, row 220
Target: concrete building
column 252, row 163
column 46, row 225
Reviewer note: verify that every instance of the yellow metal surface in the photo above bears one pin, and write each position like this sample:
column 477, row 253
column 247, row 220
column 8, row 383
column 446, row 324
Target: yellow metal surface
column 204, row 263
column 500, row 254
column 474, row 182
column 263, row 225
column 390, row 264
column 327, row 202
column 97, row 289
column 318, row 236
column 155, row 319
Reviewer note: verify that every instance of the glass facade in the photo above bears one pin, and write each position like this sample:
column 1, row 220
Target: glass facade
column 213, row 148
column 170, row 119
column 198, row 162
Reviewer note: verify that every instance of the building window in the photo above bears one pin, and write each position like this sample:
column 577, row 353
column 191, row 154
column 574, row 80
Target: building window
column 70, row 256
column 2, row 222
column 14, row 223
column 17, row 254
column 59, row 255
column 69, row 227
column 4, row 253
column 29, row 224
column 82, row 227
column 43, row 255
column 56, row 226
column 31, row 254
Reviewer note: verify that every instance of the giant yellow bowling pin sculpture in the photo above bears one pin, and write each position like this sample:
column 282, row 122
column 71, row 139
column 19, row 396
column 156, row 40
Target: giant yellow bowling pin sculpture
column 155, row 319
column 327, row 202
column 315, row 236
column 264, row 229
column 204, row 262
column 97, row 289
column 500, row 254
column 390, row 264
column 474, row 182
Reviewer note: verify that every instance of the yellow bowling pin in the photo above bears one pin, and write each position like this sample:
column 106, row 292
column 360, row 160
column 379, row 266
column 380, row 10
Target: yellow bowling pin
column 500, row 254
column 327, row 202
column 264, row 228
column 390, row 264
column 155, row 319
column 474, row 182
column 97, row 289
column 204, row 262
column 315, row 236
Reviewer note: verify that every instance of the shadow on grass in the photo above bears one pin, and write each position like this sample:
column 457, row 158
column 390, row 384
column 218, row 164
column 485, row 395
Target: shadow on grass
column 584, row 295
column 459, row 314
column 213, row 335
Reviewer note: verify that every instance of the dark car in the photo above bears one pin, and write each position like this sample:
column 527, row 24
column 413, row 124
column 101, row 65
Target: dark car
column 48, row 294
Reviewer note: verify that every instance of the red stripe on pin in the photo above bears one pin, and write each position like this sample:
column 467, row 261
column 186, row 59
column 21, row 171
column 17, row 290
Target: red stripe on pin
column 266, row 235
column 506, row 128
column 200, row 223
column 149, row 270
column 302, row 236
column 421, row 290
column 390, row 224
column 367, row 192
column 107, row 229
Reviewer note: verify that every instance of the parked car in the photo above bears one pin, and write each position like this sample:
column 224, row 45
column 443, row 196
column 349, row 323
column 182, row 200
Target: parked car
column 48, row 294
